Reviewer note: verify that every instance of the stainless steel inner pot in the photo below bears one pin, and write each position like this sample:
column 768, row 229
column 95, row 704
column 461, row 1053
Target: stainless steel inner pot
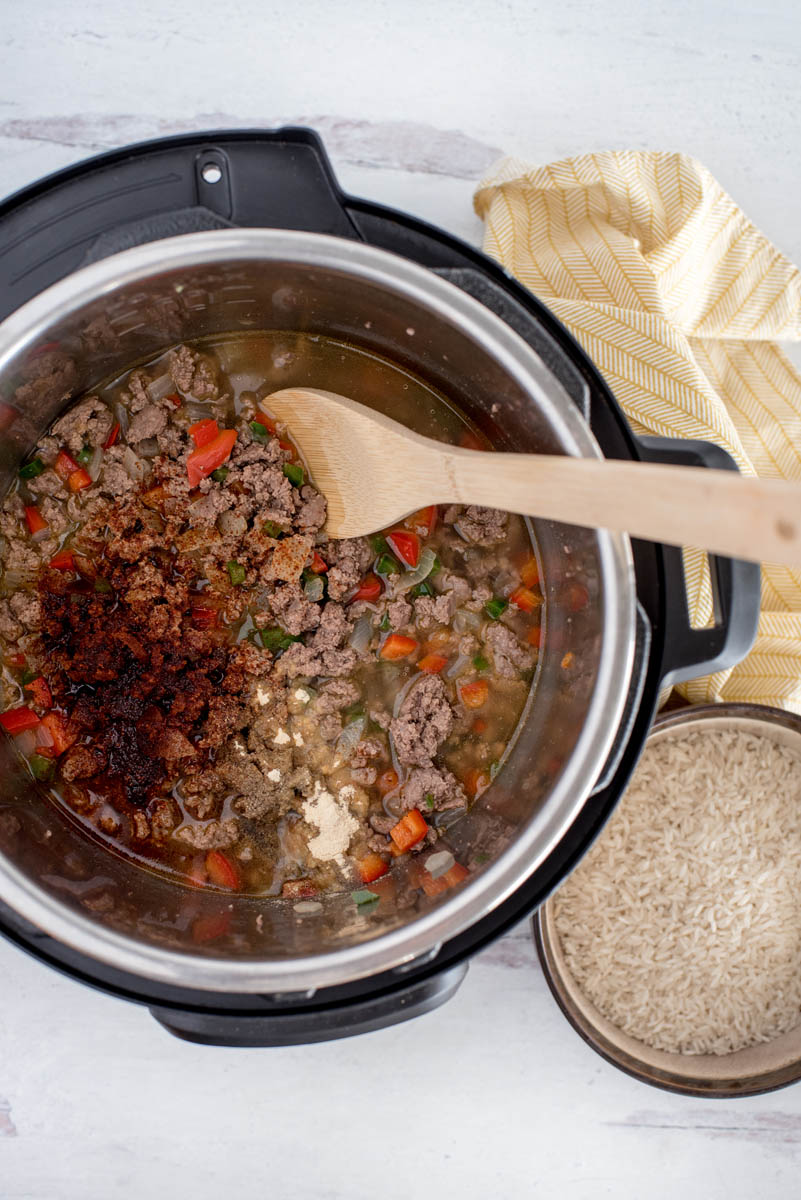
column 129, row 307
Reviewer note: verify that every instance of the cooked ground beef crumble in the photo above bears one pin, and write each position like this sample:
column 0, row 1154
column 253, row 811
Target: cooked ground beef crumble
column 209, row 682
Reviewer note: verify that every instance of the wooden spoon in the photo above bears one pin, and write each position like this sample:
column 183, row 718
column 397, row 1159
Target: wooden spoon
column 374, row 471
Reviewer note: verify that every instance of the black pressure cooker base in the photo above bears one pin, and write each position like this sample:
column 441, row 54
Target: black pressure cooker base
column 283, row 179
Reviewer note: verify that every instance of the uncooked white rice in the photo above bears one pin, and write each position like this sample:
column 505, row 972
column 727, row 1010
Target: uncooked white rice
column 683, row 923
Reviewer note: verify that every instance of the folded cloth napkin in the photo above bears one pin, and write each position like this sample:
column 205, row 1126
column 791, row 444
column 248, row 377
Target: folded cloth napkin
column 677, row 299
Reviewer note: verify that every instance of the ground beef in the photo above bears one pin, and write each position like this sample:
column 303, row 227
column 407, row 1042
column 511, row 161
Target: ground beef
column 290, row 557
column 89, row 421
column 147, row 423
column 435, row 784
column 214, row 835
column 163, row 815
column 349, row 559
column 54, row 513
column 366, row 750
column 27, row 608
column 336, row 695
column 194, row 373
column 399, row 614
column 114, row 479
column 295, row 613
column 329, row 726
column 508, row 654
column 47, row 484
column 204, row 512
column 10, row 628
column 21, row 556
column 423, row 723
column 311, row 512
column 381, row 717
column 137, row 395
column 483, row 526
column 433, row 610
column 82, row 762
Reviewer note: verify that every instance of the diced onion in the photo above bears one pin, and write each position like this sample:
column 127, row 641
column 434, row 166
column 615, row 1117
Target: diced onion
column 350, row 737
column 147, row 448
column 362, row 632
column 26, row 742
column 121, row 417
column 231, row 524
column 423, row 569
column 458, row 665
column 465, row 621
column 313, row 589
column 42, row 736
column 93, row 469
column 19, row 578
column 437, row 864
column 198, row 412
column 160, row 388
column 133, row 465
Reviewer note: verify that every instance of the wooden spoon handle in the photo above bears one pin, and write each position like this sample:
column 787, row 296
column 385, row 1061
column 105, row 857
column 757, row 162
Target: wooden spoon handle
column 720, row 511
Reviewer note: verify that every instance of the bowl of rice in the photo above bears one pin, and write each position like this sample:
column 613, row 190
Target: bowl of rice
column 674, row 948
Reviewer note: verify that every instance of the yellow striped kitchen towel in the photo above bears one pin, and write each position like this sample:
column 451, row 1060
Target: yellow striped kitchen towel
column 679, row 301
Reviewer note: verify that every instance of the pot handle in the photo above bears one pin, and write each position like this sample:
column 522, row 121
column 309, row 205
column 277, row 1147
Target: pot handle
column 690, row 652
column 288, row 1026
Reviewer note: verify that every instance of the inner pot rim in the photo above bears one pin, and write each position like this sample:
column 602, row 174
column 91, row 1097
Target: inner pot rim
column 488, row 890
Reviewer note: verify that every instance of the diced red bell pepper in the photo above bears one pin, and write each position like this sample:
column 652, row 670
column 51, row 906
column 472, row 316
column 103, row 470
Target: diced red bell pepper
column 369, row 589
column 432, row 664
column 388, row 781
column 524, row 599
column 455, row 875
column 36, row 522
column 205, row 459
column 530, row 572
column 204, row 616
column 430, row 885
column 63, row 561
column 222, row 871
column 577, row 597
column 371, row 867
column 210, row 927
column 318, row 564
column 112, row 437
column 479, row 726
column 424, row 521
column 410, row 830
column 534, row 636
column 397, row 646
column 174, row 398
column 79, row 480
column 64, row 465
column 56, row 726
column 476, row 781
column 41, row 692
column 298, row 889
column 203, row 432
column 17, row 720
column 474, row 694
column 405, row 545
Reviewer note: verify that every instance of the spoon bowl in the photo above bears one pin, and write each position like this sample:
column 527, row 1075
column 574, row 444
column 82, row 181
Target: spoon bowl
column 373, row 472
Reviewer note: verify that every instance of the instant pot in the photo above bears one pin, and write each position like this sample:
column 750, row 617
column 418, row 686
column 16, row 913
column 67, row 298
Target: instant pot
column 113, row 260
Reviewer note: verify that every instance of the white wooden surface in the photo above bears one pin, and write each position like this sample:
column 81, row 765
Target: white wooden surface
column 492, row 1095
